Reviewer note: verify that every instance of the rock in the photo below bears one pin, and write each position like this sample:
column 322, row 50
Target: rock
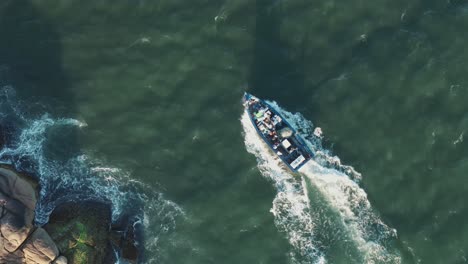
column 17, row 204
column 128, row 244
column 125, row 236
column 18, row 244
column 2, row 137
column 14, row 231
column 10, row 258
column 13, row 185
column 17, row 208
column 81, row 231
column 60, row 260
column 40, row 249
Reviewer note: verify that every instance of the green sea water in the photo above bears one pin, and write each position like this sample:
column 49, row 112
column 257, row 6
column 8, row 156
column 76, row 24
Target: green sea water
column 159, row 85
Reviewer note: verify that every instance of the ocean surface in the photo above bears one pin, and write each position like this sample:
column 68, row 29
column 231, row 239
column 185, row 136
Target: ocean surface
column 139, row 103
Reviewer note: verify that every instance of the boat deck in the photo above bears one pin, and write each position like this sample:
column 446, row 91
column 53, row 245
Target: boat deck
column 277, row 133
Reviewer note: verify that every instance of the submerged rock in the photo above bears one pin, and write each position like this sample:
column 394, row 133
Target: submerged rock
column 2, row 137
column 128, row 245
column 125, row 237
column 6, row 134
column 82, row 231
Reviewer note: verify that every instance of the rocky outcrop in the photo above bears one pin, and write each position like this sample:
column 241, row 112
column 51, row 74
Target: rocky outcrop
column 2, row 136
column 82, row 231
column 60, row 260
column 128, row 244
column 84, row 234
column 40, row 248
column 125, row 237
column 20, row 241
column 77, row 233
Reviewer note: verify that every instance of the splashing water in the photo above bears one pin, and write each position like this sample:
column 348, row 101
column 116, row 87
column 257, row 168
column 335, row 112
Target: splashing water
column 80, row 177
column 336, row 183
column 367, row 230
column 290, row 206
column 322, row 156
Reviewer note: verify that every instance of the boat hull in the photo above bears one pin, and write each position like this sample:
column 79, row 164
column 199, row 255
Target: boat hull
column 277, row 133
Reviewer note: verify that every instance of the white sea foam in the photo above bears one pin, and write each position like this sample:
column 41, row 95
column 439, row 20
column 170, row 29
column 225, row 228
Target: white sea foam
column 337, row 183
column 364, row 226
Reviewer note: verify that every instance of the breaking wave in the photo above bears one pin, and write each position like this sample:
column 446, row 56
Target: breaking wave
column 335, row 190
column 79, row 177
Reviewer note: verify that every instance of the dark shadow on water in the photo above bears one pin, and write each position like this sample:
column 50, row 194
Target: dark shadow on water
column 31, row 62
column 277, row 70
column 31, row 51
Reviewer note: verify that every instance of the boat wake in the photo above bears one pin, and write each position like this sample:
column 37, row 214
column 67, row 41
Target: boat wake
column 321, row 209
column 79, row 177
column 291, row 204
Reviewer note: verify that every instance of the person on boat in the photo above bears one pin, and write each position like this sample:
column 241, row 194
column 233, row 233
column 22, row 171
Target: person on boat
column 268, row 123
column 271, row 133
column 275, row 137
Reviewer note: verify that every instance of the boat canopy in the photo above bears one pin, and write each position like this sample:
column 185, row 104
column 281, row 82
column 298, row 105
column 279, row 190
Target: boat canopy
column 286, row 132
column 286, row 144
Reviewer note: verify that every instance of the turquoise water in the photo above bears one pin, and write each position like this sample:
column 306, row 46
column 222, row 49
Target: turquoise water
column 143, row 108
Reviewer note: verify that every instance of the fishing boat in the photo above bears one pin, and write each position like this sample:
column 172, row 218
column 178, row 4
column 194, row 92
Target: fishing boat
column 277, row 133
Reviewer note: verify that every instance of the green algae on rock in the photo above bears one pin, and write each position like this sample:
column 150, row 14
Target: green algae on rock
column 82, row 231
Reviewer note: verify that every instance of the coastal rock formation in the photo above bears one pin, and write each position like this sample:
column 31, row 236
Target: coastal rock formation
column 20, row 241
column 40, row 248
column 60, row 260
column 84, row 234
column 82, row 231
column 2, row 136
column 77, row 232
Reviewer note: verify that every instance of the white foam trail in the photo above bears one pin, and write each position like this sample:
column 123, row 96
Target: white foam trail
column 364, row 226
column 335, row 181
column 339, row 184
column 291, row 204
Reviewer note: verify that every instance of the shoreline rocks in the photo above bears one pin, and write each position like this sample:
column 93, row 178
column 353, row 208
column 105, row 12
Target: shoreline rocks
column 77, row 232
column 84, row 234
column 20, row 241
column 81, row 230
